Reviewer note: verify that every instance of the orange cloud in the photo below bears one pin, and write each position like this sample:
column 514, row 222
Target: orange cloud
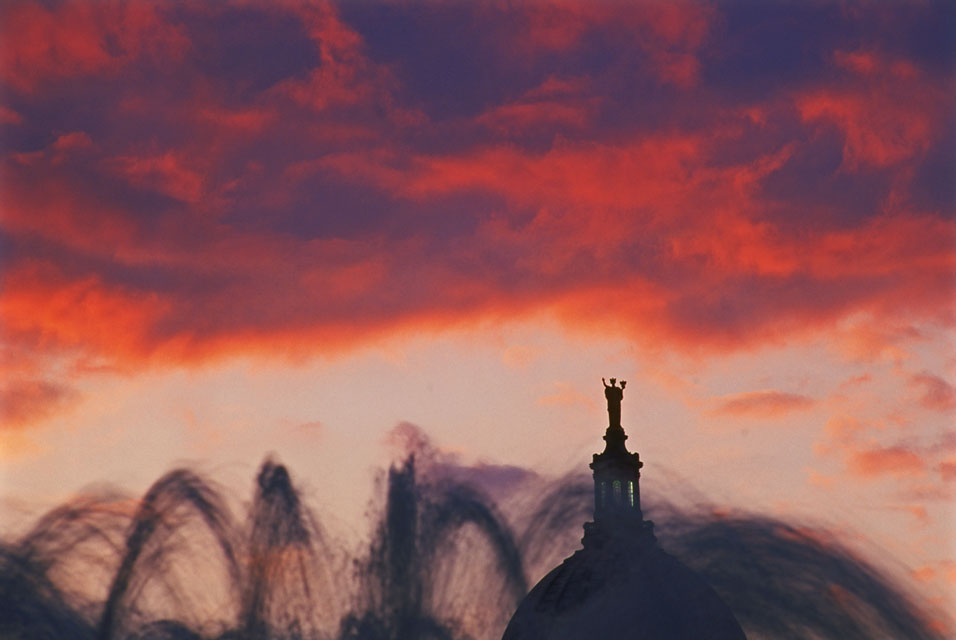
column 896, row 460
column 565, row 396
column 844, row 429
column 24, row 402
column 919, row 513
column 763, row 404
column 44, row 306
column 924, row 574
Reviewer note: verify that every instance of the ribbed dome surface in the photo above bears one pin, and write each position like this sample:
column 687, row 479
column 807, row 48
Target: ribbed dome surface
column 622, row 589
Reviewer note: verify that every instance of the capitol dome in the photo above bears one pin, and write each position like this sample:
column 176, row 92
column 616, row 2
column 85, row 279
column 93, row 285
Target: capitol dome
column 621, row 584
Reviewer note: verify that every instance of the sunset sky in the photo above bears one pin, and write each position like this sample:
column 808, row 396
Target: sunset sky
column 236, row 228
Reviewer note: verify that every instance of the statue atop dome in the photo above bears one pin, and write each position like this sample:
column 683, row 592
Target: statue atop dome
column 614, row 395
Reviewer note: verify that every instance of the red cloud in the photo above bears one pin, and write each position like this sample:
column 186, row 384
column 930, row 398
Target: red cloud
column 670, row 33
column 40, row 200
column 863, row 62
column 555, row 103
column 62, row 149
column 81, row 38
column 889, row 115
column 868, row 63
column 594, row 204
column 167, row 173
column 763, row 404
column 345, row 76
column 529, row 115
column 877, row 131
column 9, row 116
column 654, row 172
column 667, row 233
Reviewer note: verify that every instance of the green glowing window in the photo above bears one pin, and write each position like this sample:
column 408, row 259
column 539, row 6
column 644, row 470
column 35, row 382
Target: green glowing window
column 630, row 492
column 617, row 492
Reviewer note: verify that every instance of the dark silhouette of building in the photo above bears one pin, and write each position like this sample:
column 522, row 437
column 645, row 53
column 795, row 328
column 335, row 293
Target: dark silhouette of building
column 621, row 584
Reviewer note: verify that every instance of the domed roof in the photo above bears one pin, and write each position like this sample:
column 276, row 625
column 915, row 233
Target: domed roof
column 620, row 588
column 621, row 584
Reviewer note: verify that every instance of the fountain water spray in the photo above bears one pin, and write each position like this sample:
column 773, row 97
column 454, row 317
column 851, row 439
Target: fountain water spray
column 442, row 564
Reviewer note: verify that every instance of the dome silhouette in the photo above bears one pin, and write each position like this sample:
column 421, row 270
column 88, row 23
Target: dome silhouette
column 621, row 584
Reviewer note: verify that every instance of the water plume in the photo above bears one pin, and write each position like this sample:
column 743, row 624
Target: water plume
column 157, row 520
column 415, row 577
column 287, row 590
column 444, row 562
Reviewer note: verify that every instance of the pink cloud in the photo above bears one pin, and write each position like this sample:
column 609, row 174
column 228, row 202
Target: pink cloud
column 947, row 470
column 938, row 394
column 763, row 404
